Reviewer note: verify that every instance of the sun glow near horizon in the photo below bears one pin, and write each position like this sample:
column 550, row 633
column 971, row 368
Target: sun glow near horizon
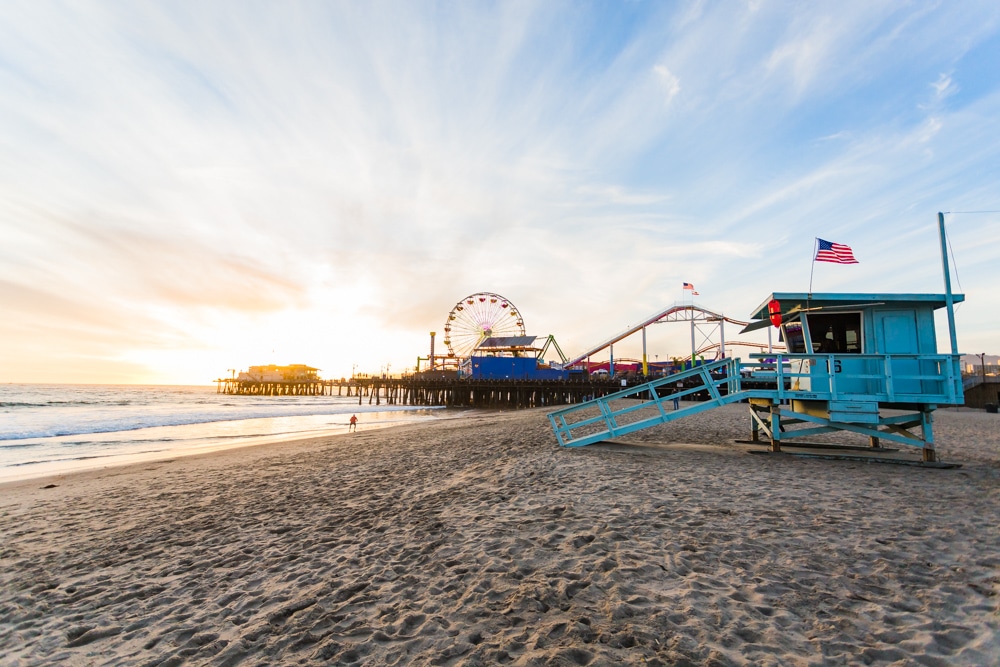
column 178, row 199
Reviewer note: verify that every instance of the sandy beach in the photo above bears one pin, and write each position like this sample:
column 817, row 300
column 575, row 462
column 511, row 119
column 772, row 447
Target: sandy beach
column 478, row 541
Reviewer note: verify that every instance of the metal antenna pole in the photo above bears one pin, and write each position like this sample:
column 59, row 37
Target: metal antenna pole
column 949, row 301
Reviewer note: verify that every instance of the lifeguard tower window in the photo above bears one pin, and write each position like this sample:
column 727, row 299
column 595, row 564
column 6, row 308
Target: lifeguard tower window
column 791, row 336
column 835, row 333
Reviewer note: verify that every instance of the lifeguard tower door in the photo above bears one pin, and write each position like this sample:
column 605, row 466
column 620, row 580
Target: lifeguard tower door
column 896, row 333
column 841, row 334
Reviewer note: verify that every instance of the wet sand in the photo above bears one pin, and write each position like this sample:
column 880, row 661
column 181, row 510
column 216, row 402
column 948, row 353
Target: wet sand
column 478, row 541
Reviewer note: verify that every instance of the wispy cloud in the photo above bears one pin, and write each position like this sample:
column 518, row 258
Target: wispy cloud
column 944, row 87
column 173, row 175
column 671, row 84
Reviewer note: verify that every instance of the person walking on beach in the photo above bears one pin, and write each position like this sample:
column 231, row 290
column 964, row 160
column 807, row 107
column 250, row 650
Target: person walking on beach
column 354, row 424
column 677, row 400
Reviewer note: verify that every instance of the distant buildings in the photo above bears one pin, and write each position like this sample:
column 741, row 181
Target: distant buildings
column 972, row 364
column 273, row 373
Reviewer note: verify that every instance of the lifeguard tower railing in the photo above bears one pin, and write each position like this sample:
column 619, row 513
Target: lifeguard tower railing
column 835, row 391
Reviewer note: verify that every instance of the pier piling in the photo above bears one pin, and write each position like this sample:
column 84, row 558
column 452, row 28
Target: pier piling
column 452, row 392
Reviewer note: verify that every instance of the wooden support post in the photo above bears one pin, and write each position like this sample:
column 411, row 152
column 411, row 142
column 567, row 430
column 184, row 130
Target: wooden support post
column 927, row 432
column 775, row 428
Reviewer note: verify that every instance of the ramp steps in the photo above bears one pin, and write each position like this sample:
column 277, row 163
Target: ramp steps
column 811, row 394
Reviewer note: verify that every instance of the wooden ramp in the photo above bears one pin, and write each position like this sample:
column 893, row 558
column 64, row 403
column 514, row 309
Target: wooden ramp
column 881, row 396
column 641, row 406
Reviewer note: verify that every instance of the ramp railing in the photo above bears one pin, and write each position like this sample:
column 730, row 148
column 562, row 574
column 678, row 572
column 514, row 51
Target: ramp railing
column 647, row 404
column 846, row 382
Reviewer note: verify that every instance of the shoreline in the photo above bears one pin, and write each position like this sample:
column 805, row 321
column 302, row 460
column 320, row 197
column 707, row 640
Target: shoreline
column 480, row 541
column 267, row 446
column 187, row 447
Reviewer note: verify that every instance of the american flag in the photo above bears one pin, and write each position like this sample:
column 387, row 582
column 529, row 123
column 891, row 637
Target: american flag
column 688, row 286
column 834, row 252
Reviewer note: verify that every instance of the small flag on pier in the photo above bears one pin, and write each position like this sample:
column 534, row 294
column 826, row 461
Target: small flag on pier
column 837, row 253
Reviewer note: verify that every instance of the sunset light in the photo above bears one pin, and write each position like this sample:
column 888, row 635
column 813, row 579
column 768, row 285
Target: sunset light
column 190, row 189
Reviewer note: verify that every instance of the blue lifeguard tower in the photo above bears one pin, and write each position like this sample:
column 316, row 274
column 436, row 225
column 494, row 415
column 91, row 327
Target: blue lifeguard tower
column 864, row 363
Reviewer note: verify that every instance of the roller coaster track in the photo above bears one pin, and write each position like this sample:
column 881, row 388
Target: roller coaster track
column 675, row 313
column 762, row 347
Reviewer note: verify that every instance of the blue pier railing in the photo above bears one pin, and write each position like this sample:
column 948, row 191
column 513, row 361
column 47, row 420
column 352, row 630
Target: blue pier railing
column 920, row 379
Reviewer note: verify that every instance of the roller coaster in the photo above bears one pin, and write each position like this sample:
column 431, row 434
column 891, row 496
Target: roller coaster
column 705, row 324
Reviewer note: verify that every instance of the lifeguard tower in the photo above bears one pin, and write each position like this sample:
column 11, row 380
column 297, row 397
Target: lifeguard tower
column 866, row 363
column 863, row 363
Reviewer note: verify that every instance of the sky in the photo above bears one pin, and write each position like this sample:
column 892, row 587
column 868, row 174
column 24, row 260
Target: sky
column 188, row 188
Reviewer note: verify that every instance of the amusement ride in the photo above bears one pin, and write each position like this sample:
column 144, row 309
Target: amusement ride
column 472, row 321
column 487, row 323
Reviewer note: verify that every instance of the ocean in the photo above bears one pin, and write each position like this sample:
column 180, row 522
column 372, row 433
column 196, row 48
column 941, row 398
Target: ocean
column 55, row 429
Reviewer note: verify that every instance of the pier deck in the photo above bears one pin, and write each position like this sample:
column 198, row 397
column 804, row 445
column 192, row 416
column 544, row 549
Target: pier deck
column 450, row 392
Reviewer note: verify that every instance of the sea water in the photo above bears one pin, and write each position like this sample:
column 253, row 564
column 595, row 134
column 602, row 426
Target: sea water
column 54, row 429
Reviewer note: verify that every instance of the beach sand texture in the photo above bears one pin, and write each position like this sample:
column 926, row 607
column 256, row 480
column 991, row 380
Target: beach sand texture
column 478, row 541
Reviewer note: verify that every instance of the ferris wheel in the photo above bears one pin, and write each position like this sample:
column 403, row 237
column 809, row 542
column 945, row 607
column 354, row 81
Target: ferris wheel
column 478, row 317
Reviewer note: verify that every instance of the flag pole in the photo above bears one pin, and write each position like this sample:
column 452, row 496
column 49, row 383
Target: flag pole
column 812, row 267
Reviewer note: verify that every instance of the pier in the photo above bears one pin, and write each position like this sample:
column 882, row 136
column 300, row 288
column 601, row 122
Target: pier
column 449, row 392
column 253, row 387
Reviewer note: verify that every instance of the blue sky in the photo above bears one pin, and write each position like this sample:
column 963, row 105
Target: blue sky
column 189, row 187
